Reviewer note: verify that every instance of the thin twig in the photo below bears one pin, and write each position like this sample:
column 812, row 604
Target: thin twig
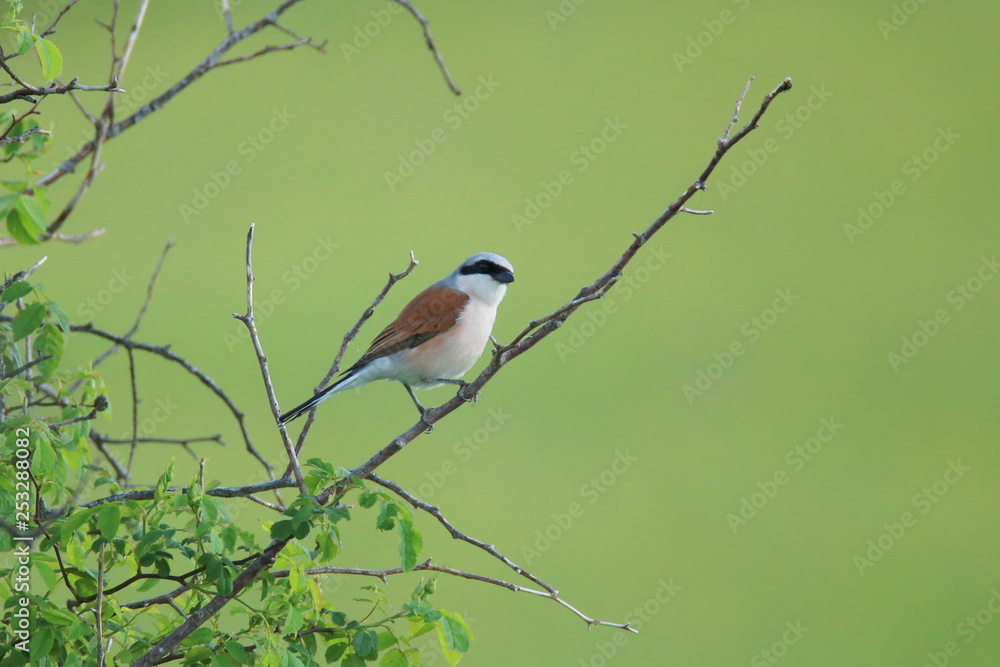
column 21, row 138
column 206, row 65
column 166, row 441
column 100, row 609
column 145, row 303
column 348, row 339
column 247, row 319
column 6, row 241
column 165, row 352
column 425, row 24
column 52, row 26
column 135, row 415
column 18, row 371
column 456, row 533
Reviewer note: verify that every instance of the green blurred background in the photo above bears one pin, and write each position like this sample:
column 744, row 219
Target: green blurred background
column 631, row 460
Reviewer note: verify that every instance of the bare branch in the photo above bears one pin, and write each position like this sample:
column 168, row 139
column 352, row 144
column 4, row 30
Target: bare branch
column 7, row 241
column 21, row 138
column 456, row 533
column 145, row 304
column 28, row 92
column 166, row 441
column 52, row 26
column 425, row 24
column 22, row 275
column 247, row 319
column 165, row 352
column 21, row 369
column 205, row 66
column 348, row 339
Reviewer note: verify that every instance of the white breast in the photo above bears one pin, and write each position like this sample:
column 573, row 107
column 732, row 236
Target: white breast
column 450, row 355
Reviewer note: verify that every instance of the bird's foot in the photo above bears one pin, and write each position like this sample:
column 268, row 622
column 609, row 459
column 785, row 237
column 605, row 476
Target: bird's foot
column 423, row 418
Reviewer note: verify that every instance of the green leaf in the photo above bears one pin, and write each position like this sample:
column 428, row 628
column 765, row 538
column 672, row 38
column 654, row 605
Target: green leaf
column 235, row 649
column 12, row 9
column 385, row 516
column 410, row 543
column 49, row 342
column 44, row 458
column 29, row 319
column 394, row 658
column 147, row 542
column 293, row 622
column 281, row 530
column 224, row 584
column 335, row 651
column 49, row 56
column 23, row 229
column 24, row 40
column 197, row 655
column 455, row 632
column 16, row 290
column 425, row 610
column 28, row 205
column 216, row 509
column 41, row 644
column 60, row 316
column 199, row 636
column 73, row 523
column 352, row 661
column 8, row 202
column 108, row 520
column 365, row 643
column 367, row 499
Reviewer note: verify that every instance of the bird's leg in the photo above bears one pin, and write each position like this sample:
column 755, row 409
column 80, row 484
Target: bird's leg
column 462, row 384
column 421, row 408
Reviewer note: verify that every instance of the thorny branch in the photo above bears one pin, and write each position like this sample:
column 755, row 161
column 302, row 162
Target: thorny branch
column 534, row 333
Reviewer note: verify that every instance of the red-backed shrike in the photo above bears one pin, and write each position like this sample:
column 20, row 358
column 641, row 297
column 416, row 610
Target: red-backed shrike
column 437, row 337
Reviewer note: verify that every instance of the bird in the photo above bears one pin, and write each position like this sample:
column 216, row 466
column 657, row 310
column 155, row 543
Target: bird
column 437, row 337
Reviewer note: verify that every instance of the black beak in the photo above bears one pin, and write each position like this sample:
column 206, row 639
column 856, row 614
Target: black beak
column 504, row 277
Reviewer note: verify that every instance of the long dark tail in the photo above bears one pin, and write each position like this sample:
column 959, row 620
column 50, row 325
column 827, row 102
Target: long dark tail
column 300, row 410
